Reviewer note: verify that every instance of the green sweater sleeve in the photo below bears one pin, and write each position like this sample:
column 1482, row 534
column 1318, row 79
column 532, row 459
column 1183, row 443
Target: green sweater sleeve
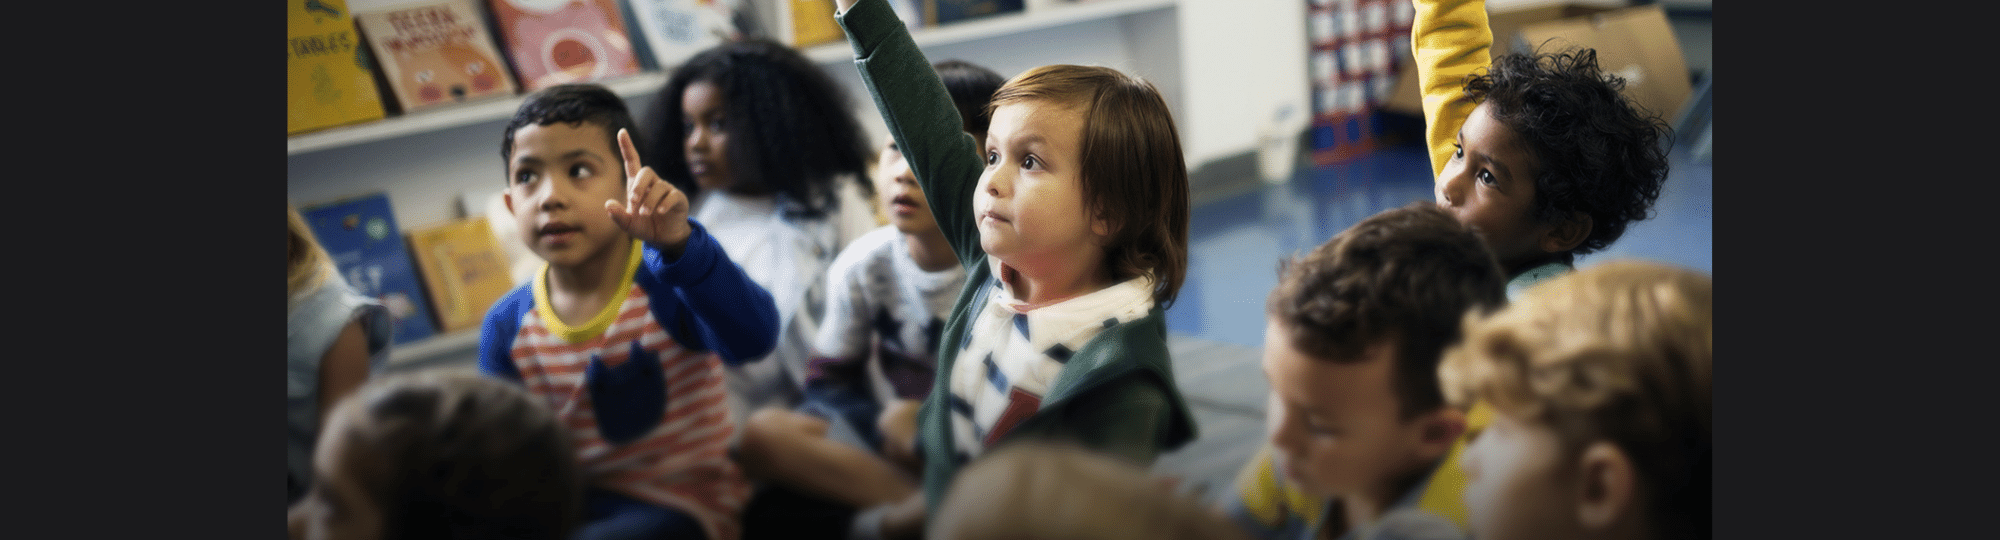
column 920, row 115
column 1451, row 40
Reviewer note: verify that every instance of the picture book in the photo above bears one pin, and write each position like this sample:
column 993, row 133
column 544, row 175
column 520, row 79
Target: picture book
column 328, row 78
column 464, row 270
column 674, row 30
column 360, row 235
column 951, row 11
column 552, row 42
column 433, row 52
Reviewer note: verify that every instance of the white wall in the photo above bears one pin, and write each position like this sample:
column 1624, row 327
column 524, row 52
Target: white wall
column 1244, row 60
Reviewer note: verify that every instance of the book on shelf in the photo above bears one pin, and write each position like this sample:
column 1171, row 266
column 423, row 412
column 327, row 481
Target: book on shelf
column 464, row 270
column 552, row 42
column 361, row 237
column 941, row 12
column 433, row 52
column 804, row 23
column 328, row 79
column 522, row 264
column 674, row 30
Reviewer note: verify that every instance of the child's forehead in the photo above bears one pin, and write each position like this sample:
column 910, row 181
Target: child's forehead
column 559, row 140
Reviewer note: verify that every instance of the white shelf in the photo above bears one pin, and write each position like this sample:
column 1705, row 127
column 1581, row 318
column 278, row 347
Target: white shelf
column 460, row 342
column 650, row 82
column 445, row 118
column 1000, row 25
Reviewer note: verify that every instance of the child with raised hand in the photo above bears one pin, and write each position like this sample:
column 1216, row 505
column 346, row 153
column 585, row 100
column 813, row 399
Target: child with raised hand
column 1073, row 235
column 626, row 329
column 853, row 440
column 1361, row 439
column 766, row 147
column 1600, row 383
column 1540, row 153
column 436, row 455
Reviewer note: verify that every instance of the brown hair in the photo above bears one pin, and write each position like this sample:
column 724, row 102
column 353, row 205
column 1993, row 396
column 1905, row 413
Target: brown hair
column 1051, row 491
column 461, row 456
column 1406, row 274
column 1133, row 174
column 306, row 263
column 1621, row 352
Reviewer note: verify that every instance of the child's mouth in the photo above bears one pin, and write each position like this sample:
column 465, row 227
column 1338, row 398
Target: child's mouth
column 558, row 231
column 903, row 204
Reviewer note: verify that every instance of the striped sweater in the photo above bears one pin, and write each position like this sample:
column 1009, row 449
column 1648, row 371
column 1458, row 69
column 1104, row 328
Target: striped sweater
column 640, row 386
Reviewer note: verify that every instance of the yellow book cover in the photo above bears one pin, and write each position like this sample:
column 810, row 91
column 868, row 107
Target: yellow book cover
column 328, row 79
column 811, row 23
column 464, row 270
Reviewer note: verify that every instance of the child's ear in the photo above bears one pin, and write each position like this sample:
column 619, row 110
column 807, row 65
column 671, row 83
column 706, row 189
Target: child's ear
column 1608, row 489
column 1568, row 234
column 507, row 198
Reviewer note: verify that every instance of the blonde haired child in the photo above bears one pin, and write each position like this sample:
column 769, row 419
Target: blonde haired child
column 1600, row 383
column 1061, row 492
column 334, row 338
column 1073, row 235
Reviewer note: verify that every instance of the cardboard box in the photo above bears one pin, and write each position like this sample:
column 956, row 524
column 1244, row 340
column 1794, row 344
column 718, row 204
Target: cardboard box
column 1506, row 26
column 1635, row 43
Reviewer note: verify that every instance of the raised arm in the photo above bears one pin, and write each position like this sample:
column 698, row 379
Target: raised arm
column 1451, row 40
column 920, row 114
column 726, row 311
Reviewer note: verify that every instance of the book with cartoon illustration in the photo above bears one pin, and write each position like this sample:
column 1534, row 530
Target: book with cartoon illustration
column 329, row 81
column 551, row 42
column 464, row 270
column 361, row 237
column 433, row 52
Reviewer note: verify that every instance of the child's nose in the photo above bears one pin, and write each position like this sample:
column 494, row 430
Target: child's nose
column 1450, row 189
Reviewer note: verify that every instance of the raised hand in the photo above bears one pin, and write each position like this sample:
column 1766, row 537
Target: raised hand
column 654, row 210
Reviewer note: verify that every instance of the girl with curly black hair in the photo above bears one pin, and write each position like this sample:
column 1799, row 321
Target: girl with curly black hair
column 766, row 146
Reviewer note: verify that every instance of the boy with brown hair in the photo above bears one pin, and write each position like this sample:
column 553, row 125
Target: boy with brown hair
column 1600, row 385
column 626, row 329
column 1357, row 424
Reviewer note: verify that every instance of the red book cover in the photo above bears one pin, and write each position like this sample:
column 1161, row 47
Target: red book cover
column 555, row 42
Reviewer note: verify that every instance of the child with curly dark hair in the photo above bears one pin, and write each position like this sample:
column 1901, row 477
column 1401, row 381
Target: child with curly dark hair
column 1540, row 152
column 765, row 145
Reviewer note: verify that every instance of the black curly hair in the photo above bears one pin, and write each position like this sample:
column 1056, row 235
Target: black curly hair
column 573, row 104
column 791, row 129
column 1601, row 153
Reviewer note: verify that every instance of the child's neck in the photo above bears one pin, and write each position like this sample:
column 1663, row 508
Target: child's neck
column 930, row 250
column 1358, row 511
column 1041, row 283
column 578, row 292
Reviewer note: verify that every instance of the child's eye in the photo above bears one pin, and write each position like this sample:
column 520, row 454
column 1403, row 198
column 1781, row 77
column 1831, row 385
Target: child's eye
column 524, row 177
column 1030, row 163
column 992, row 158
column 1458, row 151
column 579, row 170
column 1486, row 177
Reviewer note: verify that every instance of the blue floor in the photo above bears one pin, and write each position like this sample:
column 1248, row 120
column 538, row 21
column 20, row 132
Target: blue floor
column 1240, row 231
column 1237, row 240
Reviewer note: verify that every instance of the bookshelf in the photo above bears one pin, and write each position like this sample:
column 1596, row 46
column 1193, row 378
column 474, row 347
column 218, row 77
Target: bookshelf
column 430, row 161
column 994, row 27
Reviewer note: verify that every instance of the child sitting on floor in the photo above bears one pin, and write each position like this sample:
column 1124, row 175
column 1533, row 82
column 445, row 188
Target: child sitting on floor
column 626, row 330
column 1073, row 235
column 432, row 455
column 1540, row 153
column 1600, row 383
